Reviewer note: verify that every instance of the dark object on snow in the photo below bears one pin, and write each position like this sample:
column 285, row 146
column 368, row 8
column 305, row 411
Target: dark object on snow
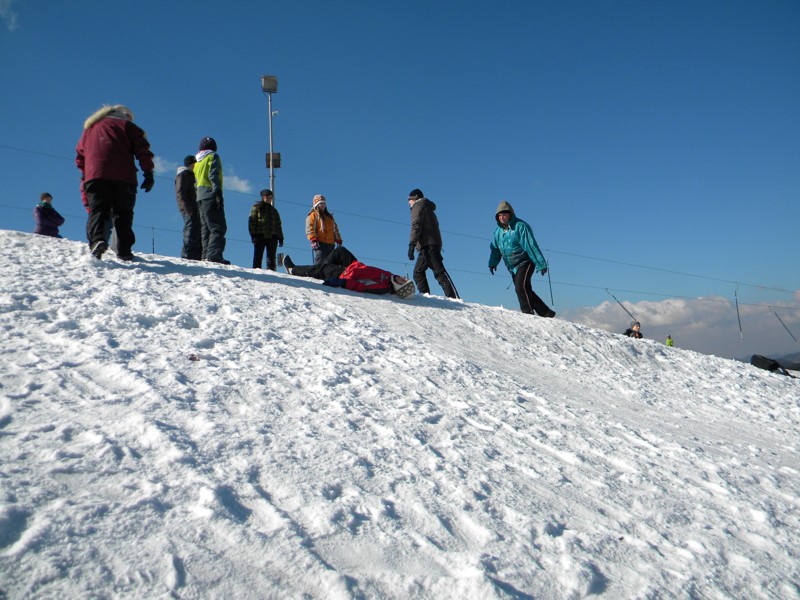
column 768, row 364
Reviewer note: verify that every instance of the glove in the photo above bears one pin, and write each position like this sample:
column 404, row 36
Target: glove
column 280, row 242
column 544, row 271
column 252, row 239
column 411, row 251
column 148, row 182
column 339, row 243
column 315, row 244
column 492, row 270
column 219, row 200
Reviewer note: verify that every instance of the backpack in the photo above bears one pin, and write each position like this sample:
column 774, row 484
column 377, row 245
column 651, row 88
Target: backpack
column 768, row 364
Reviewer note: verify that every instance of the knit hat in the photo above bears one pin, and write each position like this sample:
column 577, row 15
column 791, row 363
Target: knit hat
column 319, row 198
column 265, row 192
column 635, row 324
column 416, row 193
column 208, row 143
column 189, row 160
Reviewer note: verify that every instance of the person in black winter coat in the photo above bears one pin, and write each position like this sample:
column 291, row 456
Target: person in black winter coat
column 633, row 331
column 426, row 237
column 186, row 196
column 47, row 218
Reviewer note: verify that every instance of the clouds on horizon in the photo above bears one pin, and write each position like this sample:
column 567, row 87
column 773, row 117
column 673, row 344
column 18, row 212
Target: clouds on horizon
column 708, row 324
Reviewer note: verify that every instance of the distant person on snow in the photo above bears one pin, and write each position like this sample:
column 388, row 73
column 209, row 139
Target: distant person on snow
column 46, row 219
column 341, row 269
column 210, row 203
column 321, row 229
column 427, row 238
column 669, row 341
column 633, row 330
column 186, row 196
column 266, row 231
column 105, row 157
column 513, row 241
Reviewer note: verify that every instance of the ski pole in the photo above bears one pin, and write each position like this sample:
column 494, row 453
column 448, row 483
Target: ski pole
column 620, row 303
column 738, row 318
column 784, row 325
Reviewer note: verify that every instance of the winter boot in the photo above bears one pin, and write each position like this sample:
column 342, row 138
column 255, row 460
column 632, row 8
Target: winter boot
column 287, row 263
column 98, row 248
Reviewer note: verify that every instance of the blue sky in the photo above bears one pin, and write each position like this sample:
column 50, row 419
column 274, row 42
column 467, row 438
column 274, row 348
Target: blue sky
column 652, row 146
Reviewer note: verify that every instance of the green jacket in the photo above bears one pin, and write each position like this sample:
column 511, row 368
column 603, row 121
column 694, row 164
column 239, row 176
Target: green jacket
column 208, row 176
column 265, row 222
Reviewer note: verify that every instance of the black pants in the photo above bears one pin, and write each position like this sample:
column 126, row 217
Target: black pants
column 213, row 228
column 111, row 201
column 529, row 302
column 331, row 266
column 271, row 246
column 192, row 244
column 430, row 257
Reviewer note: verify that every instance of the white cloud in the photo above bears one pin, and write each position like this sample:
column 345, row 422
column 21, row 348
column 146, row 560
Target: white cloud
column 234, row 183
column 8, row 14
column 709, row 325
column 164, row 166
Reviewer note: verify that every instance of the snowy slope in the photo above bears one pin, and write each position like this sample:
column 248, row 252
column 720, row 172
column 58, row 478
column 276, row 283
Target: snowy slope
column 177, row 429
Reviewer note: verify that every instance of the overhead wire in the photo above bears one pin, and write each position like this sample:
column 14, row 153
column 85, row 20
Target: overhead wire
column 470, row 236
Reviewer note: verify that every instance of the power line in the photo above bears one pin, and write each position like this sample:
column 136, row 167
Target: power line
column 481, row 273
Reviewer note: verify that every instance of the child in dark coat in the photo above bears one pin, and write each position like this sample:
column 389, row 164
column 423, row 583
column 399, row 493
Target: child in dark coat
column 47, row 218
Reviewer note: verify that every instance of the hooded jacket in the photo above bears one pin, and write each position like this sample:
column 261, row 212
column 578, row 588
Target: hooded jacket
column 424, row 224
column 208, row 175
column 185, row 194
column 108, row 145
column 514, row 243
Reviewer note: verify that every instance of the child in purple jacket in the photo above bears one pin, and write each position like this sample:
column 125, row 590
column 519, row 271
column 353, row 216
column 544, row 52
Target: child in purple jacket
column 46, row 217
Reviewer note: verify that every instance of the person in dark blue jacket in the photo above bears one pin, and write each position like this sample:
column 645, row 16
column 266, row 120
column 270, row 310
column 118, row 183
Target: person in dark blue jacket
column 513, row 241
column 46, row 218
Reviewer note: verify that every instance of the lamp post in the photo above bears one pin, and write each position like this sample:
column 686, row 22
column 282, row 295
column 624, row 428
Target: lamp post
column 269, row 85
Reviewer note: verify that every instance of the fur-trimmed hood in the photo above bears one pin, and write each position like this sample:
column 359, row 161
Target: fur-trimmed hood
column 118, row 111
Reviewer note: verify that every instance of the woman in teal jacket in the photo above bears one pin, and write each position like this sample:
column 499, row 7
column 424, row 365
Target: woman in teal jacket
column 514, row 242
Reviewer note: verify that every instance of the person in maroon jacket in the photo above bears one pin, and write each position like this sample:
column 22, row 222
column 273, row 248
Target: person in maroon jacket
column 105, row 157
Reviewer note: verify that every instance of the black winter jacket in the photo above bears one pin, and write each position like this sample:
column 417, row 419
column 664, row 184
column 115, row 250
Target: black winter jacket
column 185, row 193
column 424, row 224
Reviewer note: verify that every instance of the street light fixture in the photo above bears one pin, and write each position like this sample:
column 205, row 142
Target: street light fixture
column 269, row 85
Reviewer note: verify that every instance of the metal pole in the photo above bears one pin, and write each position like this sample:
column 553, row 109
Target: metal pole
column 271, row 168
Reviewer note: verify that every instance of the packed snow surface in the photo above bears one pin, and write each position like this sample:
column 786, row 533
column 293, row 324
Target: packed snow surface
column 179, row 429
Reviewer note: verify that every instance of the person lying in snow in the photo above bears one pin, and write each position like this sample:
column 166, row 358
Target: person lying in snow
column 342, row 269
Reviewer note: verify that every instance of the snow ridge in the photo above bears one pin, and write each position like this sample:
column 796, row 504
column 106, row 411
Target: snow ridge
column 177, row 429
